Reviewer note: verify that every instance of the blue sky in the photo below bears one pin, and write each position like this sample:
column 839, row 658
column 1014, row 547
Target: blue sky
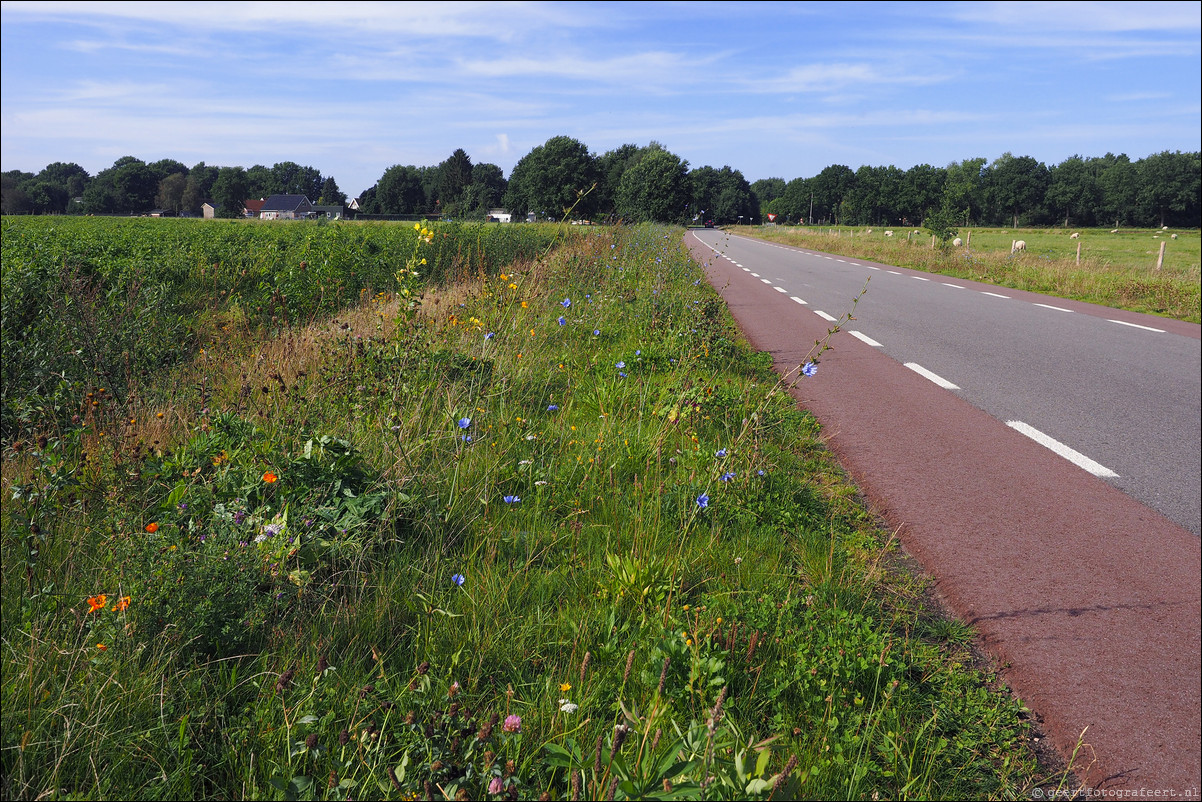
column 771, row 89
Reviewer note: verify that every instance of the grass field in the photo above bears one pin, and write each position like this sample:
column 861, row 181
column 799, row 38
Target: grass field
column 1115, row 269
column 541, row 530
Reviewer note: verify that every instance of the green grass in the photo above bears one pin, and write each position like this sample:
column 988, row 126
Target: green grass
column 356, row 551
column 1115, row 269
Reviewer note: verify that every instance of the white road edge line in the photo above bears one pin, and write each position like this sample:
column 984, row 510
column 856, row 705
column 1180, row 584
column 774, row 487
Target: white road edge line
column 795, row 298
column 995, row 295
column 825, row 316
column 780, row 289
column 953, row 286
column 920, row 278
column 865, row 338
column 1136, row 326
column 766, row 280
column 1075, row 457
column 921, row 371
column 1055, row 308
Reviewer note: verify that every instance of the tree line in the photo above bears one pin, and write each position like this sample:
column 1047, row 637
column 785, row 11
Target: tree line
column 131, row 186
column 649, row 183
column 1159, row 190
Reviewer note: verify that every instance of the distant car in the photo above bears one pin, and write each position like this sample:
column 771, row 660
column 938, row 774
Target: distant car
column 709, row 223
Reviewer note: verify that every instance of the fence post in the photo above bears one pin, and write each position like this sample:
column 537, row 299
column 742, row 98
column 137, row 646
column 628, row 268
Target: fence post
column 932, row 240
column 1160, row 258
column 1079, row 251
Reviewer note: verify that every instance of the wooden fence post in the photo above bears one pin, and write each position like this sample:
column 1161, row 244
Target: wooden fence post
column 1160, row 259
column 1079, row 251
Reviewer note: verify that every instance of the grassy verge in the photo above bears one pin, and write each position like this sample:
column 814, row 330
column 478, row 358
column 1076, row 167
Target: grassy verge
column 1116, row 269
column 556, row 532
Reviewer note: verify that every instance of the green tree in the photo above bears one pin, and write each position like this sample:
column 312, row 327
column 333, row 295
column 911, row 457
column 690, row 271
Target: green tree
column 721, row 195
column 260, row 182
column 128, row 187
column 767, row 190
column 1169, row 187
column 171, row 193
column 229, row 191
column 289, row 178
column 921, row 193
column 454, row 177
column 553, row 178
column 1016, row 186
column 331, row 195
column 1119, row 184
column 400, row 191
column 1073, row 191
column 828, row 189
column 199, row 187
column 485, row 191
column 964, row 189
column 655, row 189
column 610, row 167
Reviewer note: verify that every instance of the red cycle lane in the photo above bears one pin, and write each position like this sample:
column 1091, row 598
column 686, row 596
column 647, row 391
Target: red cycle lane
column 1088, row 601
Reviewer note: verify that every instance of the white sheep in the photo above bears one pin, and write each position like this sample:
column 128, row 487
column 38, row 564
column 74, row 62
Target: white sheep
column 1164, row 228
column 1075, row 235
column 957, row 242
column 1019, row 245
column 888, row 233
column 1173, row 236
column 1114, row 231
column 869, row 231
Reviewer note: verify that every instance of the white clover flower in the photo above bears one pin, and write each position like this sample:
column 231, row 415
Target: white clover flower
column 568, row 707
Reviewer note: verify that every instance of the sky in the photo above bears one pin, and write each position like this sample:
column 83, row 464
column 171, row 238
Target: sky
column 770, row 89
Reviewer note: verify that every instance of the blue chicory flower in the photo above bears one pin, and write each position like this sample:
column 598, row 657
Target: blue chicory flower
column 512, row 499
column 465, row 422
column 552, row 407
column 726, row 477
column 562, row 321
column 809, row 369
column 457, row 579
column 720, row 453
column 703, row 501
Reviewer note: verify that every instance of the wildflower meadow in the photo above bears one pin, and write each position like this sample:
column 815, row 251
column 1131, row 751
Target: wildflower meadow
column 513, row 513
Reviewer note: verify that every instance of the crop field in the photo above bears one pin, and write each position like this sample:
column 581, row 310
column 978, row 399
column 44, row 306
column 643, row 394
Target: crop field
column 327, row 512
column 1115, row 269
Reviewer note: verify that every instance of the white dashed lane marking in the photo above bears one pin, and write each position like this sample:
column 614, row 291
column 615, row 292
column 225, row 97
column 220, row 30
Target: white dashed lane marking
column 1075, row 457
column 921, row 371
column 859, row 335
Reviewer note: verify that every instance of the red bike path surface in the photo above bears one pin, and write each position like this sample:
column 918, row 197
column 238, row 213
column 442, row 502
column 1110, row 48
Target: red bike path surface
column 1088, row 601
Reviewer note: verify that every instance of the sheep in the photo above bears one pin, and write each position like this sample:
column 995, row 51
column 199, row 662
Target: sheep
column 957, row 242
column 1114, row 231
column 869, row 231
column 1019, row 245
column 888, row 233
column 1164, row 228
column 1075, row 235
column 1173, row 236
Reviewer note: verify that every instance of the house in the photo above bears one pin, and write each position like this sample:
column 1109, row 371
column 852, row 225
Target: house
column 330, row 212
column 286, row 207
column 253, row 207
column 499, row 216
column 208, row 209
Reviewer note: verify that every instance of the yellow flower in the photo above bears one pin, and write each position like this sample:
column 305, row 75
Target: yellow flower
column 524, row 305
column 102, row 647
column 513, row 286
column 564, row 688
column 504, row 277
column 417, row 226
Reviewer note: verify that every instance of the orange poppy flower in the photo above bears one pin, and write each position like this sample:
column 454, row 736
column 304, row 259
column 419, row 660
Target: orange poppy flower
column 96, row 603
column 152, row 527
column 102, row 647
column 122, row 603
column 270, row 477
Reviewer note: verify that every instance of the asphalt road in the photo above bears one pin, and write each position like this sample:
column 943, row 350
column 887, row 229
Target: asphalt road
column 1040, row 459
column 1125, row 395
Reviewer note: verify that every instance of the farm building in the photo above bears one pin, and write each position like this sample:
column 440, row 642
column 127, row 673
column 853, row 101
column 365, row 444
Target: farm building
column 286, row 207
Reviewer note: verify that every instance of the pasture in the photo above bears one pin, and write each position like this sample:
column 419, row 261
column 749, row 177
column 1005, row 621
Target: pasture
column 1115, row 269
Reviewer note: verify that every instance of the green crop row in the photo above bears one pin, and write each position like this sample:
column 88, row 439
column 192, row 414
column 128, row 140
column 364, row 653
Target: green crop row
column 101, row 302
